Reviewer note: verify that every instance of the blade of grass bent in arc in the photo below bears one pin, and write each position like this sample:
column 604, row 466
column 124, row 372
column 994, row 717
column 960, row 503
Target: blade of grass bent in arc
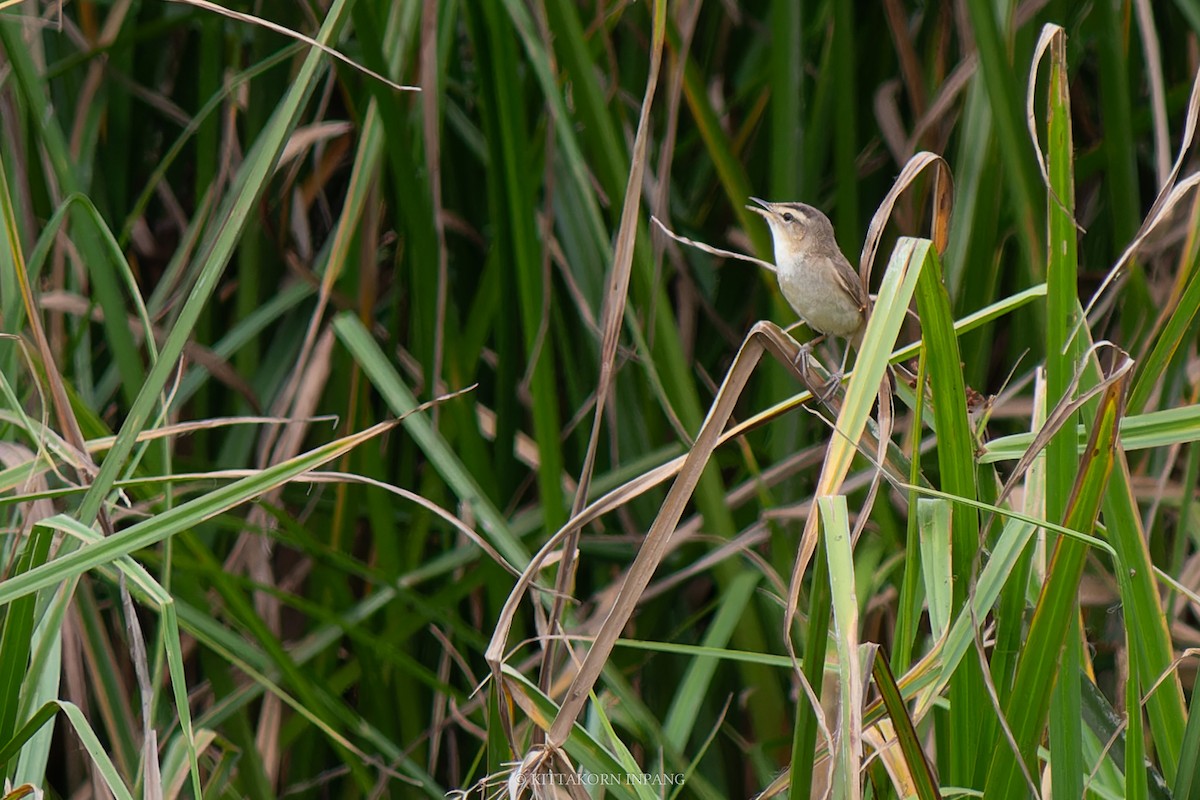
column 53, row 144
column 887, row 315
column 26, row 276
column 230, row 220
column 317, row 44
column 943, row 201
column 87, row 737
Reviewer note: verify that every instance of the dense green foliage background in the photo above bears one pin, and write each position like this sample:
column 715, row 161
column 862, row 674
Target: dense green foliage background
column 233, row 252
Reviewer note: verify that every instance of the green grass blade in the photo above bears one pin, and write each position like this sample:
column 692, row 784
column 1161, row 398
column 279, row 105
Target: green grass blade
column 956, row 456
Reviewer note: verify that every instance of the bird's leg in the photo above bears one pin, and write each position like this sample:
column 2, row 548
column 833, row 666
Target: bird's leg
column 836, row 378
column 821, row 390
column 855, row 341
column 831, row 384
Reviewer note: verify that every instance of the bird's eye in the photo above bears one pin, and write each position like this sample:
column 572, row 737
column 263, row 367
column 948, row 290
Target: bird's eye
column 787, row 217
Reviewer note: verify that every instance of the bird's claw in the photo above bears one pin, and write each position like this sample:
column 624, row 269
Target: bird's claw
column 830, row 389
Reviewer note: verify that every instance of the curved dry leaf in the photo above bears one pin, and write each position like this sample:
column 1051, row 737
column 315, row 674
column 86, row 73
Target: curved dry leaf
column 308, row 40
column 943, row 202
column 707, row 248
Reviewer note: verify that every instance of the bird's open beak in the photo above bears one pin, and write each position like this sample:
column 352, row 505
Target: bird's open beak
column 765, row 210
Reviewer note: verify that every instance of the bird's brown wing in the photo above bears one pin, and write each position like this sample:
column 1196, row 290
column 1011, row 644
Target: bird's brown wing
column 847, row 278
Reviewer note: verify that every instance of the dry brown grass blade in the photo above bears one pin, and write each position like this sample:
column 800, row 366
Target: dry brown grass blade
column 96, row 73
column 615, row 296
column 1158, row 94
column 103, row 443
column 646, row 481
column 305, row 138
column 763, row 337
column 1052, row 36
column 944, row 101
column 617, row 290
column 686, row 15
column 888, row 119
column 1049, row 36
column 910, row 64
column 349, row 225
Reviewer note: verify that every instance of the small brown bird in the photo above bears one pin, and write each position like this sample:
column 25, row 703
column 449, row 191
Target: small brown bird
column 816, row 279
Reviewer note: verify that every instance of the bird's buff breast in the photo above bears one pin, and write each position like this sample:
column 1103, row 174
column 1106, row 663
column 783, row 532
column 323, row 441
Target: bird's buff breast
column 814, row 295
